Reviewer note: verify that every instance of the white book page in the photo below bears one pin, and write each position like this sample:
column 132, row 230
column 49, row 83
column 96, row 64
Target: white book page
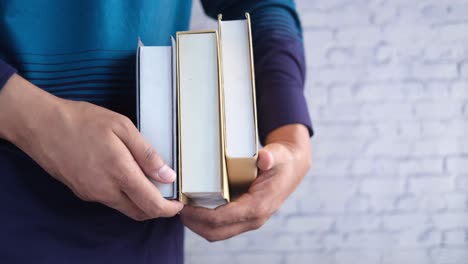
column 238, row 98
column 199, row 114
column 156, row 115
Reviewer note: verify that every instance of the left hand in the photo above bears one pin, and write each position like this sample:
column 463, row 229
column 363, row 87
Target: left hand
column 282, row 165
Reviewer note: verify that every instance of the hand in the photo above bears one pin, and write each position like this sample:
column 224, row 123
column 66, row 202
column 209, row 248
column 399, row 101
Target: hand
column 97, row 153
column 282, row 165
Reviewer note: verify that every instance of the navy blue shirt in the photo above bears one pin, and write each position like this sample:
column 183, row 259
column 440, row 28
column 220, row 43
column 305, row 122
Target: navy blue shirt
column 84, row 50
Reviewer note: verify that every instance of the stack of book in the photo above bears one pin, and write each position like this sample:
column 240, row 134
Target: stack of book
column 196, row 106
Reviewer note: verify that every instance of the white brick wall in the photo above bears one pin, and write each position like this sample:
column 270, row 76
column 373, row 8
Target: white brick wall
column 387, row 88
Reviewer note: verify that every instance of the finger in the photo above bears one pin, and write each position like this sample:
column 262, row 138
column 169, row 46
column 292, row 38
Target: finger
column 144, row 154
column 237, row 211
column 148, row 198
column 220, row 233
column 124, row 205
column 142, row 192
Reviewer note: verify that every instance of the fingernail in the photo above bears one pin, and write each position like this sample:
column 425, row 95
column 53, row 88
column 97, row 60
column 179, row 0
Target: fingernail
column 166, row 174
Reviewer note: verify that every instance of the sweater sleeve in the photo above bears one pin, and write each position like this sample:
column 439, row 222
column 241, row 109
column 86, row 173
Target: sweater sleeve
column 6, row 71
column 278, row 58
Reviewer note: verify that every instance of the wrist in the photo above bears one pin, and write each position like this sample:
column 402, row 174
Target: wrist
column 23, row 107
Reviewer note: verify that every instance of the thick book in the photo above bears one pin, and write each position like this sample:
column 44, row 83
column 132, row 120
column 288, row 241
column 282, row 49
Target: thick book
column 196, row 106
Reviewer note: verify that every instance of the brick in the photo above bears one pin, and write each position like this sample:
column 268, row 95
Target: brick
column 387, row 73
column 290, row 206
column 454, row 127
column 435, row 12
column 407, row 203
column 316, row 96
column 345, row 131
column 388, row 91
column 342, row 56
column 384, row 203
column 450, row 220
column 240, row 243
column 357, row 222
column 372, row 240
column 382, row 186
column 309, row 242
column 270, row 242
column 432, row 202
column 405, row 256
column 358, row 204
column 345, row 74
column 427, row 71
column 386, row 111
column 357, row 256
column 437, row 52
column 346, row 149
column 333, row 194
column 406, row 35
column 399, row 222
column 457, row 164
column 207, row 258
column 449, row 255
column 452, row 32
column 456, row 201
column 421, row 166
column 435, row 148
column 418, row 237
column 274, row 258
column 423, row 203
column 272, row 224
column 457, row 237
column 459, row 89
column 333, row 241
column 462, row 182
column 343, row 17
column 437, row 91
column 333, row 167
column 359, row 36
column 464, row 70
column 383, row 15
column 439, row 109
column 314, row 224
column 344, row 112
column 306, row 257
column 419, row 185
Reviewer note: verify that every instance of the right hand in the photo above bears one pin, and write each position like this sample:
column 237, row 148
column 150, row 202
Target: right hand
column 97, row 153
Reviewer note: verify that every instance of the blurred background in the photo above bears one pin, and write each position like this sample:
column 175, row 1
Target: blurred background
column 387, row 89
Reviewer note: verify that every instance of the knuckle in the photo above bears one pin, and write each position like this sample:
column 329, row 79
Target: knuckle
column 123, row 175
column 123, row 124
column 151, row 157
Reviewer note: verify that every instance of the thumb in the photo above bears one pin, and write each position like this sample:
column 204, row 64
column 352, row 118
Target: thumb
column 266, row 158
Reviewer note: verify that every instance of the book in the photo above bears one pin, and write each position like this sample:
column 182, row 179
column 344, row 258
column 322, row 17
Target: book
column 196, row 106
column 241, row 144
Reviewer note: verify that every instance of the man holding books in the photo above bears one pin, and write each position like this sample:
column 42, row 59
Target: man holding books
column 74, row 168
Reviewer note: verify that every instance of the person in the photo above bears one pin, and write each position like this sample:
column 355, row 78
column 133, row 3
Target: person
column 74, row 169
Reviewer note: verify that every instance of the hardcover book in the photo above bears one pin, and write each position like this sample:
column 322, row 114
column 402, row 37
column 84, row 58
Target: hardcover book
column 196, row 106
